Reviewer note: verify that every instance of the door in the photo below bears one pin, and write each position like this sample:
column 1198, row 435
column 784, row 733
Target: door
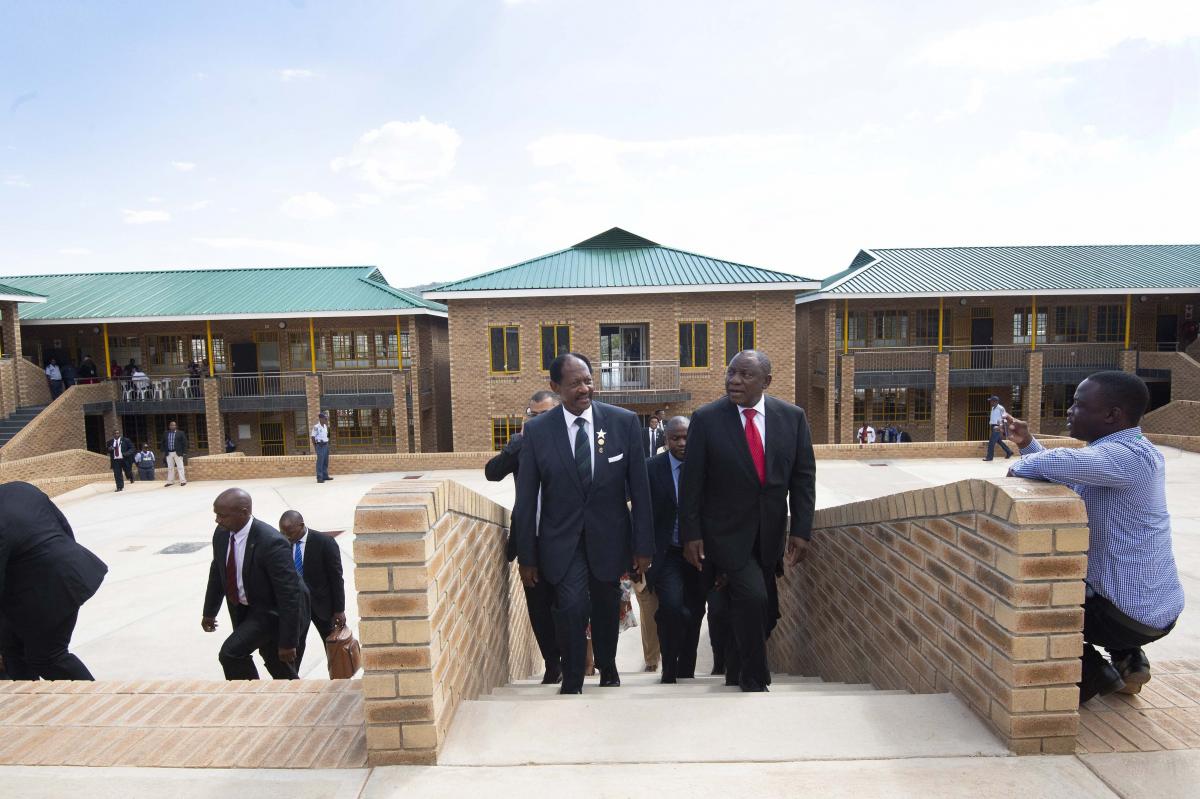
column 622, row 354
column 245, row 362
column 270, row 438
column 979, row 414
column 268, row 362
column 1166, row 332
column 981, row 342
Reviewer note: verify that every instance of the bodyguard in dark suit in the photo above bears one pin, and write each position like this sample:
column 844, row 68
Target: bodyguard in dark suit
column 318, row 561
column 585, row 459
column 538, row 598
column 652, row 437
column 679, row 587
column 252, row 569
column 749, row 459
column 120, row 454
column 45, row 576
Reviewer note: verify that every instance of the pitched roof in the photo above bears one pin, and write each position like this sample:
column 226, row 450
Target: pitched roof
column 218, row 294
column 8, row 293
column 617, row 262
column 950, row 271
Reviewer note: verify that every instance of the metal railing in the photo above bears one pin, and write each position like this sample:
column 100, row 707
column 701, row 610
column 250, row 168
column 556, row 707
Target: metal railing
column 259, row 384
column 988, row 357
column 351, row 382
column 638, row 376
column 894, row 359
column 1081, row 355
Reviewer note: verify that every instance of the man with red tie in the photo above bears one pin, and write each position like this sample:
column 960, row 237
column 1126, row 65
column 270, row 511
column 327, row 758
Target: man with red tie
column 749, row 460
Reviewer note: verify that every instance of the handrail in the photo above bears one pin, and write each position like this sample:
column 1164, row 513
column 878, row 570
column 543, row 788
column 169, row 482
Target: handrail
column 262, row 384
column 616, row 375
column 356, row 382
column 988, row 357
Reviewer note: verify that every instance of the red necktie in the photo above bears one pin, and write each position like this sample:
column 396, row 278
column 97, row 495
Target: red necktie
column 754, row 442
column 231, row 589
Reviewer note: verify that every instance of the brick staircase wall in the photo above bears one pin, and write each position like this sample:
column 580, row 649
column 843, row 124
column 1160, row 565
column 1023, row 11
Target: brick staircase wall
column 8, row 387
column 442, row 612
column 58, row 472
column 60, row 426
column 974, row 588
column 1185, row 373
column 35, row 388
column 1189, row 443
column 1178, row 417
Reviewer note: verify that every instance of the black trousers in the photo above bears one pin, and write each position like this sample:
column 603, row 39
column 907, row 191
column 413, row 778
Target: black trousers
column 540, row 601
column 1105, row 625
column 680, row 591
column 121, row 467
column 744, row 612
column 578, row 598
column 253, row 629
column 40, row 652
column 324, row 627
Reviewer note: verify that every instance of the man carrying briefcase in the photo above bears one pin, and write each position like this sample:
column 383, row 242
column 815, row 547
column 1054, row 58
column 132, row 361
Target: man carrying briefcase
column 318, row 560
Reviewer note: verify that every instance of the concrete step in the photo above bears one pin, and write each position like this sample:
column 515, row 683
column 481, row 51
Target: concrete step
column 654, row 678
column 725, row 728
column 542, row 692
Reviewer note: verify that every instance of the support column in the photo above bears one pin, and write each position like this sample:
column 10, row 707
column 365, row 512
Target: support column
column 312, row 397
column 1033, row 398
column 414, row 345
column 941, row 396
column 1129, row 359
column 212, row 415
column 12, row 344
column 847, row 432
column 400, row 411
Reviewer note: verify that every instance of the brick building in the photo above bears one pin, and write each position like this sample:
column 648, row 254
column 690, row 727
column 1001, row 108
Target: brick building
column 919, row 338
column 659, row 325
column 273, row 346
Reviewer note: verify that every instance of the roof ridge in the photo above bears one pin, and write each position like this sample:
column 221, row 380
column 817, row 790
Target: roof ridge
column 1026, row 247
column 187, row 270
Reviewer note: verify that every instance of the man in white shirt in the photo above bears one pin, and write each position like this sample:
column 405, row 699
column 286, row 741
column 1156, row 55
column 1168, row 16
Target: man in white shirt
column 996, row 425
column 866, row 434
column 54, row 375
column 320, row 440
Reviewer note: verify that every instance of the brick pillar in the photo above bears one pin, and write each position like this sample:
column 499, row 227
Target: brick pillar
column 212, row 415
column 110, row 421
column 400, row 411
column 415, row 371
column 312, row 397
column 846, row 435
column 1033, row 397
column 12, row 344
column 941, row 396
column 1129, row 359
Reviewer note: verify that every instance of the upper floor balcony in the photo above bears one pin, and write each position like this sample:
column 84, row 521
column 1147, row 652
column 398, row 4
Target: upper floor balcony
column 638, row 382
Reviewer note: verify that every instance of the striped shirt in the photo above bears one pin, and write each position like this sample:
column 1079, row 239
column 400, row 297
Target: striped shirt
column 1122, row 480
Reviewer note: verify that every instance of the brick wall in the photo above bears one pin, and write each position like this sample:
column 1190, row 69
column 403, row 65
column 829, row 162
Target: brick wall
column 1178, row 417
column 478, row 396
column 974, row 587
column 236, row 466
column 60, row 426
column 8, row 387
column 68, row 463
column 442, row 613
column 1185, row 371
column 1189, row 443
column 34, row 388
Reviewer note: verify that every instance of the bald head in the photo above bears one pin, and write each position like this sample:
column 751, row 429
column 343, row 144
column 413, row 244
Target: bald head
column 291, row 524
column 233, row 509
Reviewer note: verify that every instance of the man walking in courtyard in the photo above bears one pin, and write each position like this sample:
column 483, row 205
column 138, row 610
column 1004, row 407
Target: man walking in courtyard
column 320, row 440
column 120, row 453
column 998, row 428
column 1133, row 595
column 174, row 450
column 749, row 460
column 318, row 561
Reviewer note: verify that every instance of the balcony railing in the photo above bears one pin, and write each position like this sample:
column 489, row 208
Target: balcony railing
column 894, row 359
column 257, row 384
column 638, row 376
column 988, row 357
column 160, row 389
column 1081, row 356
column 356, row 382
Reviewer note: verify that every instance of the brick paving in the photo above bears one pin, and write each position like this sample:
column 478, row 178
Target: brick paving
column 183, row 724
column 1165, row 715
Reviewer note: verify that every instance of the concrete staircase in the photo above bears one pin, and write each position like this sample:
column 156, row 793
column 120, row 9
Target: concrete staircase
column 703, row 721
column 16, row 422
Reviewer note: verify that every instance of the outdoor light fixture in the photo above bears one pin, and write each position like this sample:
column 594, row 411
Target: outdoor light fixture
column 962, row 301
column 282, row 325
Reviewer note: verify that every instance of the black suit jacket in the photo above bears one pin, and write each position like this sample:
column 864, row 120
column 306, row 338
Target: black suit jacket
column 662, row 499
column 323, row 575
column 181, row 445
column 647, row 449
column 269, row 577
column 44, row 574
column 507, row 461
column 611, row 531
column 724, row 504
column 127, row 449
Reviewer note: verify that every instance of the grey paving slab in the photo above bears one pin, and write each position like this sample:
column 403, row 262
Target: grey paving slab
column 138, row 783
column 1149, row 775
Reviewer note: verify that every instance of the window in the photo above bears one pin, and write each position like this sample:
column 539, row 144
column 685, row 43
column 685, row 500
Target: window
column 200, row 352
column 858, row 329
column 351, row 350
column 386, row 427
column 505, row 344
column 1016, row 405
column 301, row 430
column 218, row 353
column 889, row 329
column 922, row 406
column 739, row 336
column 299, row 352
column 1057, row 399
column 386, row 355
column 860, row 405
column 1022, row 332
column 1110, row 323
column 353, row 427
column 504, row 428
column 201, row 437
column 1070, row 323
column 889, row 405
column 123, row 349
column 693, row 345
column 923, row 326
column 405, row 351
column 556, row 341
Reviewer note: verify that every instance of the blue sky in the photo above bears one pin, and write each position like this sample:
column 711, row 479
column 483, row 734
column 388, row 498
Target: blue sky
column 441, row 139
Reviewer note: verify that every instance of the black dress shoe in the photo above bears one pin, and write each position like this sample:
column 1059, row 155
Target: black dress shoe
column 1099, row 680
column 1134, row 668
column 565, row 690
column 750, row 687
column 553, row 674
column 609, row 678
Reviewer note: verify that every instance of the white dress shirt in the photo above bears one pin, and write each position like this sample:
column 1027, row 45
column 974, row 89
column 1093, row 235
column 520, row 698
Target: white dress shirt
column 303, row 542
column 239, row 555
column 320, row 433
column 573, row 431
column 997, row 417
column 760, row 419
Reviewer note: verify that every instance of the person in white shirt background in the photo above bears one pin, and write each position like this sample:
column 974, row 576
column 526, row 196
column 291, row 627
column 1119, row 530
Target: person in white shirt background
column 996, row 426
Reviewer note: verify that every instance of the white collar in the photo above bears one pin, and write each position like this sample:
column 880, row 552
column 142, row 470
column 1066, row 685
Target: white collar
column 245, row 531
column 760, row 406
column 304, row 538
column 585, row 416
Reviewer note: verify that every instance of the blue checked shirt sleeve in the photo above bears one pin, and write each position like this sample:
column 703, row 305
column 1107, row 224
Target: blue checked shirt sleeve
column 1088, row 466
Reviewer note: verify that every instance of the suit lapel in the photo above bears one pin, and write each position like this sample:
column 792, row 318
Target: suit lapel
column 733, row 426
column 248, row 561
column 665, row 473
column 599, row 459
column 564, row 446
column 776, row 435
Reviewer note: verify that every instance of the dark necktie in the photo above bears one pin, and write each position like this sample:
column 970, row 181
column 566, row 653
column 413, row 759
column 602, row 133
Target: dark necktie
column 298, row 557
column 231, row 589
column 583, row 454
column 754, row 442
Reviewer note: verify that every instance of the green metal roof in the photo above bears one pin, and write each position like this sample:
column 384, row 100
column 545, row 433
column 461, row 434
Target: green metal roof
column 8, row 292
column 617, row 260
column 217, row 293
column 1015, row 270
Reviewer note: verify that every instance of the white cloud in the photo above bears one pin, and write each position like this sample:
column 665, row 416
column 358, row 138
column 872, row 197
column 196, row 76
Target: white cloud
column 75, row 251
column 289, row 75
column 183, row 166
column 154, row 200
column 309, row 206
column 145, row 217
column 402, row 155
column 16, row 181
column 199, row 205
column 1068, row 35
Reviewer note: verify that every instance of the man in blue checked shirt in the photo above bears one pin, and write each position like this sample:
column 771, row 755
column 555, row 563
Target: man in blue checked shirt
column 1134, row 595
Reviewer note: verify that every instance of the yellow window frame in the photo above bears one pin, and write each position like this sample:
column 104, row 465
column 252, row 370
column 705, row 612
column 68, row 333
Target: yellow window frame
column 541, row 332
column 693, row 324
column 504, row 336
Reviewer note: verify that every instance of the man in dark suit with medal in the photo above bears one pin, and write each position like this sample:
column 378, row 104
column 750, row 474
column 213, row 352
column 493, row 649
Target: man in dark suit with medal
column 749, row 460
column 586, row 460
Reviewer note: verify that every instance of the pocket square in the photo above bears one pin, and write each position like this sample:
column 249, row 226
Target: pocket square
column 616, row 458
